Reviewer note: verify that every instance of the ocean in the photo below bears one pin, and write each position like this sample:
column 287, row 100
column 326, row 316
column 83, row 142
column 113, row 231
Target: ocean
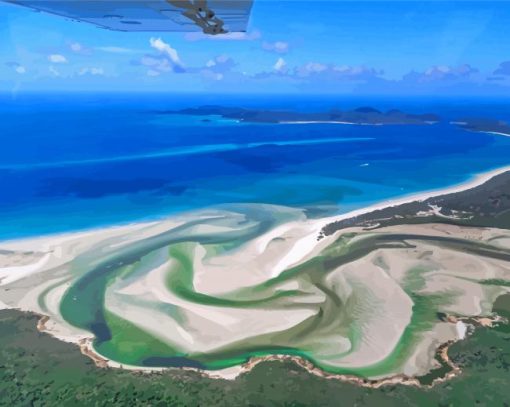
column 77, row 161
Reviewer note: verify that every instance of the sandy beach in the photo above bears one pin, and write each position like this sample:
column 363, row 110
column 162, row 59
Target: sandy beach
column 498, row 133
column 476, row 180
column 264, row 287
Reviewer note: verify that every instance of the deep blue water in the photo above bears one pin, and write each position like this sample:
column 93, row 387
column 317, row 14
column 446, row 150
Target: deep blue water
column 77, row 161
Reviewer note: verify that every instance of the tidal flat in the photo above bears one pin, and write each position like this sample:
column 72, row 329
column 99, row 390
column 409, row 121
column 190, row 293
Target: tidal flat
column 215, row 290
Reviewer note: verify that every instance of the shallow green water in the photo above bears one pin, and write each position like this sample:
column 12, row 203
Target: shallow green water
column 119, row 339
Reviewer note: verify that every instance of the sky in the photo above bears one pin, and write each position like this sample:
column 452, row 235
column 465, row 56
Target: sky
column 343, row 47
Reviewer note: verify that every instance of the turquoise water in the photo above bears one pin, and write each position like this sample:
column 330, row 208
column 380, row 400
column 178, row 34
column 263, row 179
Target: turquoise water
column 78, row 161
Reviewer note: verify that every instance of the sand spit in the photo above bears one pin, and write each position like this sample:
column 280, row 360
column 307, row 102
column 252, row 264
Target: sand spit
column 328, row 122
column 475, row 181
column 497, row 133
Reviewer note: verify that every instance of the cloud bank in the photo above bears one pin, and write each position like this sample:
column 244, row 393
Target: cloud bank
column 57, row 59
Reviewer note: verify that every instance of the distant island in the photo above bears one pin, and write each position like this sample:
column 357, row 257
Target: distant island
column 491, row 126
column 361, row 116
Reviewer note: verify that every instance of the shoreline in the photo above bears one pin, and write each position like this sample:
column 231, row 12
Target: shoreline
column 308, row 242
column 429, row 123
column 496, row 133
column 474, row 181
column 329, row 122
column 86, row 348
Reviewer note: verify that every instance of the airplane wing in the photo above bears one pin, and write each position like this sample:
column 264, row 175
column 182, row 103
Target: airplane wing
column 210, row 16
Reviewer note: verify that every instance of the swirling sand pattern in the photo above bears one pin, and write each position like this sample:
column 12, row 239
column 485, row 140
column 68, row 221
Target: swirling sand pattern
column 212, row 289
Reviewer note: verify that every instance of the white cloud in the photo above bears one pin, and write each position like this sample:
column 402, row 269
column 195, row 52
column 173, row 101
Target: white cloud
column 53, row 71
column 18, row 68
column 164, row 48
column 442, row 73
column 57, row 59
column 336, row 72
column 319, row 72
column 280, row 47
column 152, row 72
column 76, row 47
column 91, row 71
column 311, row 68
column 147, row 60
column 280, row 65
column 218, row 67
column 117, row 50
column 159, row 64
column 356, row 72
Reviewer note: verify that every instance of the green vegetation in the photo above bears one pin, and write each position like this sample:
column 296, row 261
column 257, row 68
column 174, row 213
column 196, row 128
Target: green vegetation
column 495, row 281
column 38, row 370
column 130, row 341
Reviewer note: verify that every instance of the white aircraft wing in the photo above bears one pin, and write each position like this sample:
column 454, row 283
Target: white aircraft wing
column 210, row 16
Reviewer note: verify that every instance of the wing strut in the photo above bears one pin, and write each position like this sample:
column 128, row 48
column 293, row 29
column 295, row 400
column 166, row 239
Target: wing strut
column 199, row 12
